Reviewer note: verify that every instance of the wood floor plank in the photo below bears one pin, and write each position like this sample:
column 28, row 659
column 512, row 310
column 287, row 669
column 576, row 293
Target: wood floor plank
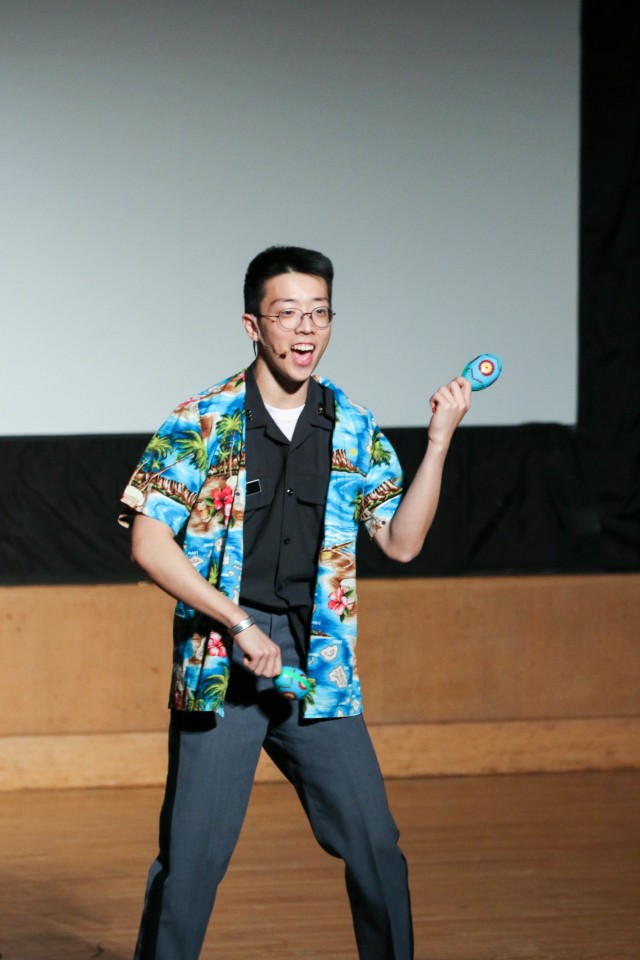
column 542, row 867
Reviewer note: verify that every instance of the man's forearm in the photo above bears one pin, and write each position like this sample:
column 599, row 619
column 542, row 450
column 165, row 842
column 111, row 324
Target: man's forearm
column 404, row 537
column 154, row 549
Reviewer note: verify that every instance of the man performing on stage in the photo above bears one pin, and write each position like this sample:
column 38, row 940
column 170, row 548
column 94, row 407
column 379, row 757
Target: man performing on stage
column 265, row 477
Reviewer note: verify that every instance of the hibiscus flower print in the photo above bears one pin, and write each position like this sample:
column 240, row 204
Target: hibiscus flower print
column 223, row 501
column 215, row 646
column 339, row 601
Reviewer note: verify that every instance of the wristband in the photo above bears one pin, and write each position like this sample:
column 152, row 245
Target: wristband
column 239, row 627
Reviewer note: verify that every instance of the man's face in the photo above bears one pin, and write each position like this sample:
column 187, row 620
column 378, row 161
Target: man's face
column 290, row 355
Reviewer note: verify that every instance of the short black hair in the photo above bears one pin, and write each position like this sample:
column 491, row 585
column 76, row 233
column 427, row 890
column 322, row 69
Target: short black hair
column 280, row 259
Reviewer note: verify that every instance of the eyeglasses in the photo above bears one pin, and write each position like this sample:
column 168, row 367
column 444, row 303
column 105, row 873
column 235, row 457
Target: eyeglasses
column 291, row 318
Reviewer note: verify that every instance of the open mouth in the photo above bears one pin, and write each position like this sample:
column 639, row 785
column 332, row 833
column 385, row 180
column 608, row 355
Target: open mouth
column 303, row 352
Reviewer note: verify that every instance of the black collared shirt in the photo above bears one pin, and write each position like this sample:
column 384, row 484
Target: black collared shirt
column 286, row 494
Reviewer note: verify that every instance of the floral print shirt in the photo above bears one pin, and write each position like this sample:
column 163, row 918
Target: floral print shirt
column 193, row 473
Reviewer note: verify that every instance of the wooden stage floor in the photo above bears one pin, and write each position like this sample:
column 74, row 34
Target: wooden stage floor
column 542, row 867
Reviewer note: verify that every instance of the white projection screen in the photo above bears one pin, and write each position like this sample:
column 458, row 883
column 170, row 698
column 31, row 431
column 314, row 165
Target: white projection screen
column 150, row 149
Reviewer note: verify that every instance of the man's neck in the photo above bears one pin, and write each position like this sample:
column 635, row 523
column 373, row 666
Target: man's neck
column 276, row 393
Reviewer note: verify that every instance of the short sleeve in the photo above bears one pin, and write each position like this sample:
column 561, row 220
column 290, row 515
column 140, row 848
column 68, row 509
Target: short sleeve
column 383, row 484
column 171, row 471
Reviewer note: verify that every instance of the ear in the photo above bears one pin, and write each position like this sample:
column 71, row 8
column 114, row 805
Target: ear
column 250, row 323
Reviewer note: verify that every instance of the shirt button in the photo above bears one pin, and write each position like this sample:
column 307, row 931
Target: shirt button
column 290, row 491
column 287, row 540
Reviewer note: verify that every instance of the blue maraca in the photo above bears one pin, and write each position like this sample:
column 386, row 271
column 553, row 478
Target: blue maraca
column 293, row 683
column 483, row 371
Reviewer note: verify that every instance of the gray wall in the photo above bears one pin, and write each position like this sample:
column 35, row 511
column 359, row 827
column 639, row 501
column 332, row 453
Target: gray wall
column 149, row 150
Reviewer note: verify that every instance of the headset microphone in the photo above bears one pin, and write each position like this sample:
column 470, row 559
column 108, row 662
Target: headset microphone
column 281, row 356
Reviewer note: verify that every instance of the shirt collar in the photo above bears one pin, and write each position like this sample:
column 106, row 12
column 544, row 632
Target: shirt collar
column 255, row 410
column 319, row 409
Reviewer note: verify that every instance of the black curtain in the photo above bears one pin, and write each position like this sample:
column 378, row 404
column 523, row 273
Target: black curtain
column 515, row 499
column 609, row 379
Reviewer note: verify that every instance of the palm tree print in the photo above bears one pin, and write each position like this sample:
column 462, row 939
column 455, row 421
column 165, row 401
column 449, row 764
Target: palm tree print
column 379, row 453
column 214, row 691
column 214, row 573
column 229, row 433
column 193, row 448
column 157, row 451
column 309, row 697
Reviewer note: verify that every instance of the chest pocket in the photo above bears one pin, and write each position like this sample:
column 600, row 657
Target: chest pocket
column 259, row 493
column 311, row 488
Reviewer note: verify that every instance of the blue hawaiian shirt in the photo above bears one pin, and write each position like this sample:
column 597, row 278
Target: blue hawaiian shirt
column 192, row 475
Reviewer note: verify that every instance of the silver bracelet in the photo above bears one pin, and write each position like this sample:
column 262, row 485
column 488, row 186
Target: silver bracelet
column 239, row 627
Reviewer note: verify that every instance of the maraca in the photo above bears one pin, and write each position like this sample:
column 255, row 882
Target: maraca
column 292, row 683
column 483, row 371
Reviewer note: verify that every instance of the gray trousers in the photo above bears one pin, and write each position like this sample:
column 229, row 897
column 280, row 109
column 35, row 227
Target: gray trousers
column 334, row 770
